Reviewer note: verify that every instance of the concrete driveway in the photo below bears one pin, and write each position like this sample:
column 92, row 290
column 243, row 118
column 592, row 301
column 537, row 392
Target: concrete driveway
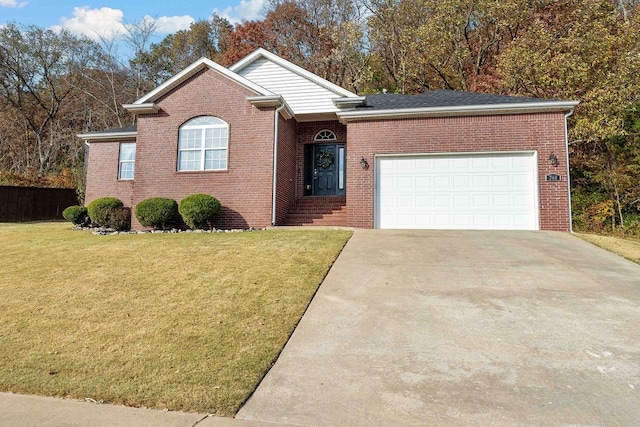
column 463, row 328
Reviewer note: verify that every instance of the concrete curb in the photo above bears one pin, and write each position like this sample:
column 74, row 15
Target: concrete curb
column 19, row 410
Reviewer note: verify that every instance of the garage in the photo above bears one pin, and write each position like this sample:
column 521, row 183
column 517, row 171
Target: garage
column 475, row 191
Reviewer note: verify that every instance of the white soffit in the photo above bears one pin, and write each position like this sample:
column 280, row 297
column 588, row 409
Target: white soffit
column 107, row 136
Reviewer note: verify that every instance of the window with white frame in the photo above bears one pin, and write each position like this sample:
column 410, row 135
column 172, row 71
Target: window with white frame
column 203, row 144
column 127, row 163
column 325, row 135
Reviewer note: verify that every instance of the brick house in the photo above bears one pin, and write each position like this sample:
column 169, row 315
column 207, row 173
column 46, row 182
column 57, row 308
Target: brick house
column 279, row 145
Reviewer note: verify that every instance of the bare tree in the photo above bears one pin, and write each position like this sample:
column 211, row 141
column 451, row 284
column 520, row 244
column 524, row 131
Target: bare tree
column 138, row 36
column 40, row 70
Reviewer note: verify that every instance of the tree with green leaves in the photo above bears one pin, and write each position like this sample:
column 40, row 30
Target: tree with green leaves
column 589, row 51
column 606, row 179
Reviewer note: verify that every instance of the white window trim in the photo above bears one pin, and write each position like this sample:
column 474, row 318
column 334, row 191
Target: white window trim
column 121, row 162
column 325, row 135
column 202, row 149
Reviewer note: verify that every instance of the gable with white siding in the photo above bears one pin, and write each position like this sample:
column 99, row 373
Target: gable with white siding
column 301, row 94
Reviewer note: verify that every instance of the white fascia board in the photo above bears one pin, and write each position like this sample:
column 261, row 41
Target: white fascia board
column 272, row 101
column 266, row 101
column 98, row 136
column 146, row 108
column 315, row 117
column 260, row 52
column 192, row 69
column 465, row 110
column 349, row 102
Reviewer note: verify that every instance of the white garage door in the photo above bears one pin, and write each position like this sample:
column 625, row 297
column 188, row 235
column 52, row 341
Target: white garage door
column 471, row 191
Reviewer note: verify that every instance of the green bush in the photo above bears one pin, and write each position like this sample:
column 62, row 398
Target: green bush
column 156, row 212
column 76, row 215
column 102, row 211
column 586, row 210
column 120, row 219
column 197, row 209
column 632, row 224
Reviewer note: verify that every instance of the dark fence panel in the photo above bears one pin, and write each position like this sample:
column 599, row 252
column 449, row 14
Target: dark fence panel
column 21, row 204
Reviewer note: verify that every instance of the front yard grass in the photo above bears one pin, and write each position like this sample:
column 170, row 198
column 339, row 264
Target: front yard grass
column 626, row 248
column 189, row 321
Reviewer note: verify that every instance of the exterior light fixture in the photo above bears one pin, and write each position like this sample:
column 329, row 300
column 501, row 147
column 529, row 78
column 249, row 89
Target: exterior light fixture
column 364, row 163
column 553, row 159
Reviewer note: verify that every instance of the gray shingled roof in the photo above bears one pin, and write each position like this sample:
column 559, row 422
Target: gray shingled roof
column 440, row 98
column 125, row 129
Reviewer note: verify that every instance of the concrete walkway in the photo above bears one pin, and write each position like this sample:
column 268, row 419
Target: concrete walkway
column 463, row 328
column 31, row 411
column 437, row 328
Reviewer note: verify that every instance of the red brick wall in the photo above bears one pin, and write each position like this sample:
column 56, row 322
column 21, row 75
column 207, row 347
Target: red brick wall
column 286, row 175
column 543, row 133
column 102, row 179
column 244, row 190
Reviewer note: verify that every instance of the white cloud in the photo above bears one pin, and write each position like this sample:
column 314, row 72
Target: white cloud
column 171, row 24
column 107, row 22
column 247, row 10
column 12, row 3
column 93, row 22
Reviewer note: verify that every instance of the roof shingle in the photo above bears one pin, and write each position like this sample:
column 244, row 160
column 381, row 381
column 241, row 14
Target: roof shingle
column 124, row 129
column 440, row 98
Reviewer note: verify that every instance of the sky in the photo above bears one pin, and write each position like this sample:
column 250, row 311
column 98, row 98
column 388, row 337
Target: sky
column 106, row 17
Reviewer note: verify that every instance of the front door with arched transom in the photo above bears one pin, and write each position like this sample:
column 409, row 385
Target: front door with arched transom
column 325, row 169
column 328, row 168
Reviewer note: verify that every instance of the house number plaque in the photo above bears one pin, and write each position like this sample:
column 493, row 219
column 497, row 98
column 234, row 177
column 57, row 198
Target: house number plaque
column 554, row 177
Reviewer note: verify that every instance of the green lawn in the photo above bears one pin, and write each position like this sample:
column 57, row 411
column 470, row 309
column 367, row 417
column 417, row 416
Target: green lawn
column 188, row 321
column 626, row 248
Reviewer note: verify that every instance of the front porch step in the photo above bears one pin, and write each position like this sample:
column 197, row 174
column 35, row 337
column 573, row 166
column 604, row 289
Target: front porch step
column 316, row 210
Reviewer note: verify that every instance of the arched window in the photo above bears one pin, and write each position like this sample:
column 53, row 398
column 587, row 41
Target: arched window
column 325, row 136
column 203, row 144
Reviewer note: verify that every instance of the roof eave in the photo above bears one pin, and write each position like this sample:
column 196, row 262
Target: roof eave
column 309, row 116
column 466, row 110
column 107, row 136
column 272, row 101
column 349, row 102
column 146, row 108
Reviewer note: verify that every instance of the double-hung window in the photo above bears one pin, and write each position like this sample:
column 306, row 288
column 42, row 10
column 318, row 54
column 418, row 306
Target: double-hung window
column 203, row 145
column 127, row 163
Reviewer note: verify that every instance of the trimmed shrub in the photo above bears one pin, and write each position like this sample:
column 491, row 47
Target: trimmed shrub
column 101, row 211
column 120, row 219
column 156, row 212
column 197, row 209
column 76, row 215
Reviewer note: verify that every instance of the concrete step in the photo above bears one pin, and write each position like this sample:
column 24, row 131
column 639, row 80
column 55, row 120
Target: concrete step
column 318, row 211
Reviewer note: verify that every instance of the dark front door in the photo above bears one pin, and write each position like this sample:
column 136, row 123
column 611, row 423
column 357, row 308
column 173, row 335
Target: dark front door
column 327, row 166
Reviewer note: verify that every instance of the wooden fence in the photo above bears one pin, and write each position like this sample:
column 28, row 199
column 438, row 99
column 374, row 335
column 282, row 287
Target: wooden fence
column 22, row 204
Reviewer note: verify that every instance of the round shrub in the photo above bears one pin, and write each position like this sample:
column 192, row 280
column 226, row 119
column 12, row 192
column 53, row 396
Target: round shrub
column 76, row 214
column 102, row 210
column 120, row 219
column 196, row 209
column 156, row 212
